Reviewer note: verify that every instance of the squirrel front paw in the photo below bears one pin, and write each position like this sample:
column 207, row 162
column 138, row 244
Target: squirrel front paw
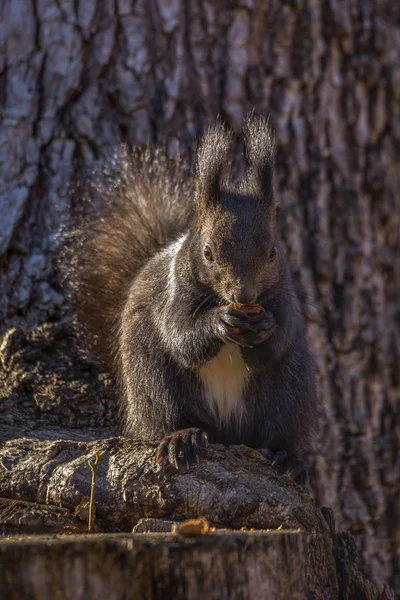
column 182, row 446
column 263, row 326
column 243, row 329
column 232, row 325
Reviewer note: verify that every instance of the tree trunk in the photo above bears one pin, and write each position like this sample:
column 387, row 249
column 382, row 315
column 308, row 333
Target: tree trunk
column 79, row 76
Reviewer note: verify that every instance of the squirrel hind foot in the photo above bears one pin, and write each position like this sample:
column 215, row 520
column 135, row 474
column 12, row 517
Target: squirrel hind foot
column 182, row 447
column 285, row 464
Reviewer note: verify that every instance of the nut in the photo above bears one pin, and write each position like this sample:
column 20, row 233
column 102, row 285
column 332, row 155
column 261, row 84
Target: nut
column 192, row 527
column 249, row 309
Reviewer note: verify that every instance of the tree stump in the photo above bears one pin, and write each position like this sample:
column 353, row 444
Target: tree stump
column 281, row 565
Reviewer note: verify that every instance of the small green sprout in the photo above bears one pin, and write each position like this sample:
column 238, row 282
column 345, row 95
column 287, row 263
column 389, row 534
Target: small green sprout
column 4, row 466
column 93, row 465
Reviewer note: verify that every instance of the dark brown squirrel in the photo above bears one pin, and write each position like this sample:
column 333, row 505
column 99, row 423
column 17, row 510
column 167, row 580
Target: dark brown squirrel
column 153, row 273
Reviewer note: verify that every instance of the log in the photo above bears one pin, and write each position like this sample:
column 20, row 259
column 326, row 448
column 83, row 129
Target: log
column 293, row 552
column 282, row 565
column 233, row 487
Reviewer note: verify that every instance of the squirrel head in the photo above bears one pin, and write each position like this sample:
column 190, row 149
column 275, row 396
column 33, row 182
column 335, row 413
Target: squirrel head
column 238, row 250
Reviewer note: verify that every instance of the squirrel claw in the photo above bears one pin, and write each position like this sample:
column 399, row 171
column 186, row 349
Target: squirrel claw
column 296, row 469
column 289, row 465
column 182, row 447
column 199, row 440
column 263, row 327
column 280, row 458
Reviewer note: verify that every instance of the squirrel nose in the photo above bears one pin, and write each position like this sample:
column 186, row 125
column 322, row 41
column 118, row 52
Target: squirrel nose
column 245, row 295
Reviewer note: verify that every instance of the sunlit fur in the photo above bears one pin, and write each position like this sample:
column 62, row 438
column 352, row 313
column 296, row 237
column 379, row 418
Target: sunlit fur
column 148, row 298
column 224, row 378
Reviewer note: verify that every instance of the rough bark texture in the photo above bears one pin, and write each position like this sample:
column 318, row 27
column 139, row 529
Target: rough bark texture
column 241, row 566
column 276, row 565
column 231, row 487
column 299, row 556
column 79, row 76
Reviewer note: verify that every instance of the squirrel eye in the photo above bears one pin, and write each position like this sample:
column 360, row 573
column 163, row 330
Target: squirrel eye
column 207, row 253
column 273, row 252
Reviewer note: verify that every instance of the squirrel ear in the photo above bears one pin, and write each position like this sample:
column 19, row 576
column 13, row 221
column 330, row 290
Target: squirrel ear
column 212, row 160
column 259, row 155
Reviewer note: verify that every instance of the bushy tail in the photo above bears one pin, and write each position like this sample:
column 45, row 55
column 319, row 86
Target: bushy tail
column 123, row 217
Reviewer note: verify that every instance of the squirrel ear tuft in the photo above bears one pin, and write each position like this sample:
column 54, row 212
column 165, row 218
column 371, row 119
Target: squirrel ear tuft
column 259, row 155
column 212, row 160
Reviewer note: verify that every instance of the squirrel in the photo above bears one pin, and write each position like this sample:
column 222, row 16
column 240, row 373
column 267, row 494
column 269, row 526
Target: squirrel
column 157, row 274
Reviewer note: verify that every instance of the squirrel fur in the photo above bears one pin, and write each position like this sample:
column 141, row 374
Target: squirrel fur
column 153, row 272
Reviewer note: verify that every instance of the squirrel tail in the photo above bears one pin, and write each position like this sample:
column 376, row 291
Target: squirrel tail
column 122, row 217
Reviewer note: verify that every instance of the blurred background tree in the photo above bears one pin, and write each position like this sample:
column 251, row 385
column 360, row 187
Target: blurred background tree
column 79, row 76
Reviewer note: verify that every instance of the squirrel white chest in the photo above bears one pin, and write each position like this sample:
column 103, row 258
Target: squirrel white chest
column 224, row 381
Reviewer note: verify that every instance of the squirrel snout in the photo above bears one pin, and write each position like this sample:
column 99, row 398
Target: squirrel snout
column 246, row 294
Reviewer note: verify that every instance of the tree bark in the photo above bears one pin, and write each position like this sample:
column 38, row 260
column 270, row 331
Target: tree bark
column 217, row 566
column 79, row 76
column 295, row 552
column 230, row 487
